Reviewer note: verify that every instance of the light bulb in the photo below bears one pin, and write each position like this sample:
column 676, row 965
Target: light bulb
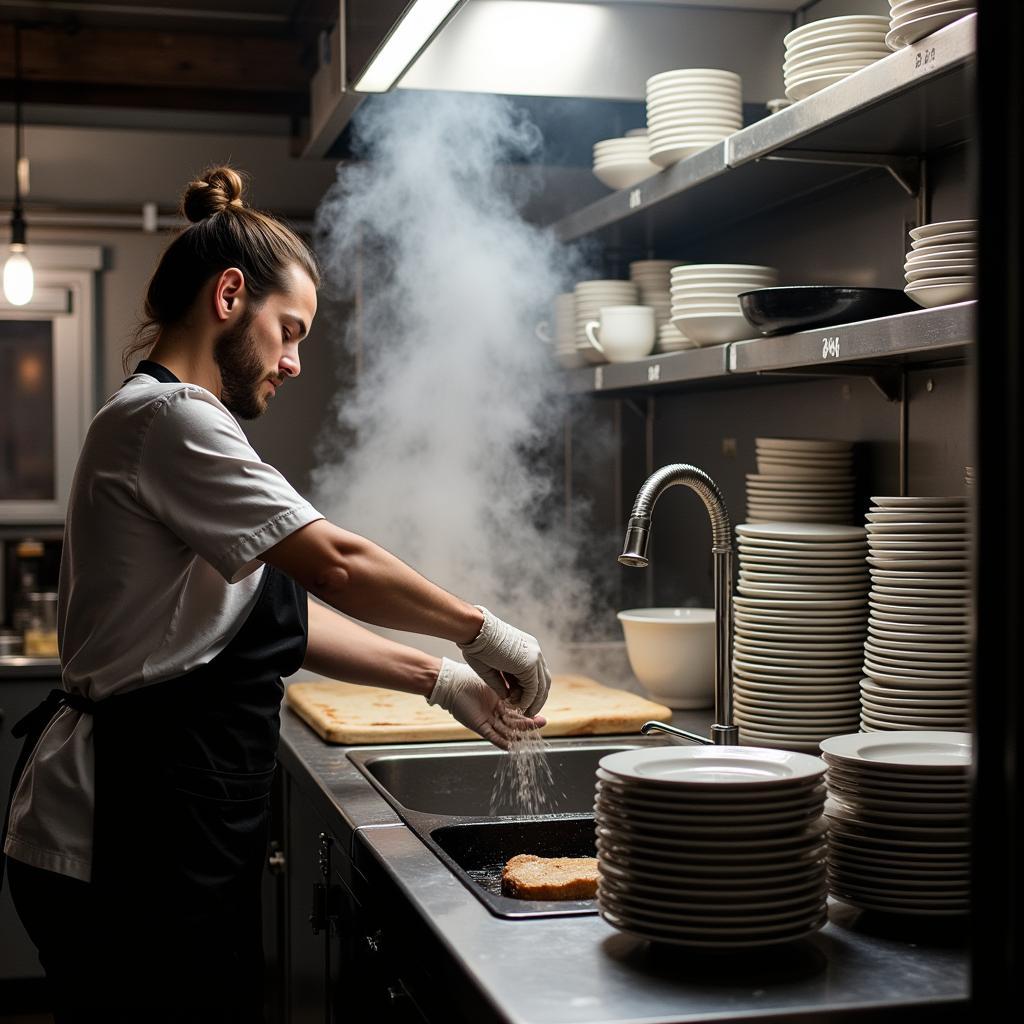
column 19, row 279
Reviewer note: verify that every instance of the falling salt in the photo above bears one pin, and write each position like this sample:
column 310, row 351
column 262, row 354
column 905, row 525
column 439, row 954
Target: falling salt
column 523, row 783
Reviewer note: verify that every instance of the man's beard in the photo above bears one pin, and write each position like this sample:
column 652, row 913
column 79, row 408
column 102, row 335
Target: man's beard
column 241, row 371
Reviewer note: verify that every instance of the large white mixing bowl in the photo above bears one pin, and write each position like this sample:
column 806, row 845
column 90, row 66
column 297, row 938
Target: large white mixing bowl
column 672, row 653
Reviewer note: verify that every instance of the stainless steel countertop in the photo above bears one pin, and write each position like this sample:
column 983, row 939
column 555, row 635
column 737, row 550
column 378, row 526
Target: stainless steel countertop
column 19, row 667
column 580, row 970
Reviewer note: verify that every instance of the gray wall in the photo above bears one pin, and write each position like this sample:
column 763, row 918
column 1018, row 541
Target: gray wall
column 103, row 169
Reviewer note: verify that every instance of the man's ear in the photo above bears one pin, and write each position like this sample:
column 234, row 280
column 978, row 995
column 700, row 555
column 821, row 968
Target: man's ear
column 228, row 293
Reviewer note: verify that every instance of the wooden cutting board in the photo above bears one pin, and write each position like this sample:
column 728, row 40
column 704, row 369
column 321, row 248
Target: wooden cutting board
column 345, row 713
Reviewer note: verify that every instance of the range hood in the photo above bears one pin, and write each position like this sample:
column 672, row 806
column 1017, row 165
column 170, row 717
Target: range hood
column 562, row 50
column 365, row 32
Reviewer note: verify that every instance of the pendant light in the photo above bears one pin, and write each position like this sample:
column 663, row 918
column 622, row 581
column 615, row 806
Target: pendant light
column 19, row 278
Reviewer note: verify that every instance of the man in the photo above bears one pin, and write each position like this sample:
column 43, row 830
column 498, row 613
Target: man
column 137, row 828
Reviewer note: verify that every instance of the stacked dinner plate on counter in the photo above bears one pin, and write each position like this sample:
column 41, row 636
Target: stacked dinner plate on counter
column 940, row 266
column 623, row 163
column 917, row 656
column 713, row 847
column 590, row 297
column 705, row 306
column 911, row 20
column 801, row 480
column 827, row 51
column 898, row 821
column 689, row 110
column 799, row 632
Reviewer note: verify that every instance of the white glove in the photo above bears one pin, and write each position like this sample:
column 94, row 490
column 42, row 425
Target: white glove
column 501, row 648
column 472, row 702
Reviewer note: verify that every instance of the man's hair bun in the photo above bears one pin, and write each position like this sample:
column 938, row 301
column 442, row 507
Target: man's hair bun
column 219, row 189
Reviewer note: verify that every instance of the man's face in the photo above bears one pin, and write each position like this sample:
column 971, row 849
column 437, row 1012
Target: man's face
column 255, row 354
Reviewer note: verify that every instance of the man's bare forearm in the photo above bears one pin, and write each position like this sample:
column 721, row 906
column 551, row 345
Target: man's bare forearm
column 341, row 649
column 364, row 580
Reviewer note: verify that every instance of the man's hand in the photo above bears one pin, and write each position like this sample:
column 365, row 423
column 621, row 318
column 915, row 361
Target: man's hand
column 510, row 662
column 473, row 703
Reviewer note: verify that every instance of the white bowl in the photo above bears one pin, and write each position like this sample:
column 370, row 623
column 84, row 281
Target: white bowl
column 672, row 653
column 625, row 174
column 717, row 328
column 941, row 294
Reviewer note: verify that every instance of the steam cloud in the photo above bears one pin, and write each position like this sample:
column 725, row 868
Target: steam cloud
column 442, row 449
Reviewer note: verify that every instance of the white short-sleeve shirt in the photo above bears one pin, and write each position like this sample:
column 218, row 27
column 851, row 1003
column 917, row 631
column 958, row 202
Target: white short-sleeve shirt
column 170, row 509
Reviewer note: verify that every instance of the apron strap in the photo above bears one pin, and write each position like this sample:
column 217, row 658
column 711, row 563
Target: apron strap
column 37, row 719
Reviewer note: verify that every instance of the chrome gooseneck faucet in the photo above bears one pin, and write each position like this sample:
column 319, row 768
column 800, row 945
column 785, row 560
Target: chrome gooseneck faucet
column 634, row 553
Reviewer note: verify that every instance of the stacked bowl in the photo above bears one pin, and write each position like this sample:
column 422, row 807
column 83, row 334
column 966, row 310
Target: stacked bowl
column 711, row 847
column 671, row 339
column 898, row 813
column 653, row 281
column 801, row 480
column 564, row 336
column 824, row 52
column 590, row 296
column 689, row 110
column 623, row 163
column 917, row 656
column 910, row 20
column 799, row 632
column 940, row 264
column 705, row 307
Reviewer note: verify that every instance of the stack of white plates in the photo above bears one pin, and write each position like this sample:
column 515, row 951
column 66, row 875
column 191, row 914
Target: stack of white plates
column 623, row 163
column 911, row 20
column 590, row 297
column 898, row 821
column 652, row 278
column 799, row 632
column 715, row 847
column 824, row 52
column 671, row 339
column 941, row 261
column 917, row 657
column 705, row 306
column 564, row 337
column 801, row 480
column 689, row 110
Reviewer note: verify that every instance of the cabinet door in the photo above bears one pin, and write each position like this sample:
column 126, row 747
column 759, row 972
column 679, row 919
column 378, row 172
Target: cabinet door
column 306, row 950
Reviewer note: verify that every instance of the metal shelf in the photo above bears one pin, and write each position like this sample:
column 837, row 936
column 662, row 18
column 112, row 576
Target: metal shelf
column 911, row 103
column 872, row 348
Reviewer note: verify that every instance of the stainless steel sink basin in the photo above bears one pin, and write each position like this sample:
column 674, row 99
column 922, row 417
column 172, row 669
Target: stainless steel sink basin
column 443, row 793
column 461, row 783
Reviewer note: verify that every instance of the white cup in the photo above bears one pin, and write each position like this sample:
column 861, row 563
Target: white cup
column 626, row 333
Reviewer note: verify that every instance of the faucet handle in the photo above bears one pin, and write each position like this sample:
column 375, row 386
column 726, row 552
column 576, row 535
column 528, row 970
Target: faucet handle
column 671, row 730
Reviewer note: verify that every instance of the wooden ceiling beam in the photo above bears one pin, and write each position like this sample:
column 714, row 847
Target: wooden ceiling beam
column 131, row 59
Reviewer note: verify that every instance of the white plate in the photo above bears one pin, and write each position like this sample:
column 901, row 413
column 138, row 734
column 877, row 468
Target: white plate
column 804, row 65
column 955, row 501
column 730, row 768
column 784, row 605
column 942, row 227
column 909, row 529
column 917, row 562
column 835, row 38
column 911, row 31
column 845, row 23
column 957, row 273
column 853, row 50
column 808, row 566
column 807, row 532
column 952, row 253
column 962, row 238
column 820, row 680
column 923, row 752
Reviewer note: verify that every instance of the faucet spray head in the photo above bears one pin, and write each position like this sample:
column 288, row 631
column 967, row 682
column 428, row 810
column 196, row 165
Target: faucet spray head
column 634, row 550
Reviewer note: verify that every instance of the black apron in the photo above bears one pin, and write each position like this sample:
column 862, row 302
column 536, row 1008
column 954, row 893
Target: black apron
column 183, row 772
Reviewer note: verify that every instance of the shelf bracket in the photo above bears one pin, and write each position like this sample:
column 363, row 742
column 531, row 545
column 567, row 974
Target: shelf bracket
column 887, row 380
column 905, row 170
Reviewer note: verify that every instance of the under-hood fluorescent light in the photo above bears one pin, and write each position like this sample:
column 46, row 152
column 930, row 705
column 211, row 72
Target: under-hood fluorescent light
column 417, row 27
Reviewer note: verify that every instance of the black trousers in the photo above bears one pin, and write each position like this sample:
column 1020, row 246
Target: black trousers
column 115, row 961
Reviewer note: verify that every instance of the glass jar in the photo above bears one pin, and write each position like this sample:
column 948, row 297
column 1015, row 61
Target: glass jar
column 40, row 632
